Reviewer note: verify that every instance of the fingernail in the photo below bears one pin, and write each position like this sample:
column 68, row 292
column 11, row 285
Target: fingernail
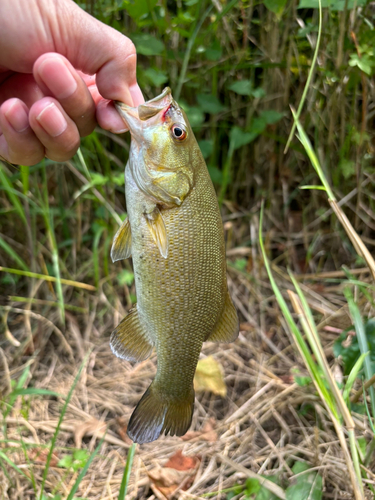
column 137, row 95
column 17, row 117
column 52, row 120
column 58, row 78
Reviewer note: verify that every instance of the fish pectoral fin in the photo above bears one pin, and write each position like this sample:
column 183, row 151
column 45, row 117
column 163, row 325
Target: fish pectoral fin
column 227, row 328
column 130, row 339
column 157, row 414
column 122, row 242
column 156, row 225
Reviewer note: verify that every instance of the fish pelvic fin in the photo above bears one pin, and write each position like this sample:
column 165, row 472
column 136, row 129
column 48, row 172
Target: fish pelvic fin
column 157, row 414
column 227, row 328
column 156, row 225
column 130, row 340
column 122, row 242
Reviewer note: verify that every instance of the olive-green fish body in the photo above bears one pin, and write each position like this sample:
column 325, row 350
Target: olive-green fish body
column 177, row 245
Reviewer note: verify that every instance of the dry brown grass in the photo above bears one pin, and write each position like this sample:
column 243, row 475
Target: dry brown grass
column 264, row 424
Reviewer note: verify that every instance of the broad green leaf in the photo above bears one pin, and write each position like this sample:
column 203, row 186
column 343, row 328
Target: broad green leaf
column 242, row 87
column 271, row 116
column 239, row 138
column 65, row 462
column 331, row 4
column 307, row 486
column 155, row 77
column 275, row 6
column 206, row 148
column 210, row 103
column 138, row 8
column 252, row 486
column 147, row 45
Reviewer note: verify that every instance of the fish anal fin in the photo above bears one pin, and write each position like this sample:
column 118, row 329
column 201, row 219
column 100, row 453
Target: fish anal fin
column 156, row 225
column 227, row 328
column 122, row 242
column 130, row 340
column 156, row 414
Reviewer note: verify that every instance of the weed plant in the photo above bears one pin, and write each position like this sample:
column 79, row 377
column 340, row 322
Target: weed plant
column 237, row 67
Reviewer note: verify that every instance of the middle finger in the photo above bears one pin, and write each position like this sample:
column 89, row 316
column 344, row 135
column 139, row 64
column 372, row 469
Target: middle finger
column 57, row 78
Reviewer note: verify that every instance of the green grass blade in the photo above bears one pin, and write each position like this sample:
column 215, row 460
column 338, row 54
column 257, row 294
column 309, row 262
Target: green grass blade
column 34, row 391
column 63, row 411
column 12, row 464
column 362, row 342
column 290, row 321
column 188, row 51
column 127, row 471
column 308, row 81
column 313, row 158
column 12, row 194
column 352, row 376
column 13, row 255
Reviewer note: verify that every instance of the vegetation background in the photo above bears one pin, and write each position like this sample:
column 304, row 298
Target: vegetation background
column 237, row 67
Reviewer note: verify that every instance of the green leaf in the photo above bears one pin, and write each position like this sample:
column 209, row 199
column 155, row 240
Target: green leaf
column 240, row 264
column 271, row 116
column 350, row 351
column 66, row 462
column 275, row 6
column 139, row 8
column 242, row 87
column 81, row 455
column 307, row 486
column 210, row 103
column 125, row 278
column 264, row 493
column 195, row 116
column 155, row 77
column 119, row 179
column 206, row 148
column 337, row 5
column 214, row 53
column 147, row 45
column 215, row 174
column 239, row 138
column 252, row 486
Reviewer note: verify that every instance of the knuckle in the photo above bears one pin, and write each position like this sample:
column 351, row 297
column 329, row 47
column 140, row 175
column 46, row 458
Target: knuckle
column 64, row 153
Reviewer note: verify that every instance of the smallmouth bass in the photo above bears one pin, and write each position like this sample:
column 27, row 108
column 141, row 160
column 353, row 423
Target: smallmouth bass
column 175, row 237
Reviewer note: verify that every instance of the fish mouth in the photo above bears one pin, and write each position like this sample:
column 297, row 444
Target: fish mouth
column 133, row 117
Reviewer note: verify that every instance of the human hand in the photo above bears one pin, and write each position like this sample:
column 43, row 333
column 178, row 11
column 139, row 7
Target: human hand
column 48, row 100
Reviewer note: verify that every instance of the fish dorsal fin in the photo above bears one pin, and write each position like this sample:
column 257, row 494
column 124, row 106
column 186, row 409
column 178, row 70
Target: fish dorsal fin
column 227, row 328
column 130, row 339
column 158, row 230
column 122, row 242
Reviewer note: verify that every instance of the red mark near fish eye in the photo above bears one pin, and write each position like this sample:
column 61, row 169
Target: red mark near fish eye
column 165, row 112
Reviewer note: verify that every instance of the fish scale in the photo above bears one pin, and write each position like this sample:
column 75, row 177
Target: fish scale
column 175, row 236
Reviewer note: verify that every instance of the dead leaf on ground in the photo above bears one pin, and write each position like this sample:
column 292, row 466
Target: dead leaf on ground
column 209, row 377
column 179, row 472
column 39, row 456
column 207, row 433
column 89, row 427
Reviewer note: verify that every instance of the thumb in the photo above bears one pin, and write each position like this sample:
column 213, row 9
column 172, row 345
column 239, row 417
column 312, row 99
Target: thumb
column 95, row 48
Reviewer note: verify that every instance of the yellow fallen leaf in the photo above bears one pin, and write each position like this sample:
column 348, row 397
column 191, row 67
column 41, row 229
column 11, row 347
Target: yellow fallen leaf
column 209, row 377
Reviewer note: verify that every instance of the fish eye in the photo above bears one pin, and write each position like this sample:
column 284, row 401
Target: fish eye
column 178, row 132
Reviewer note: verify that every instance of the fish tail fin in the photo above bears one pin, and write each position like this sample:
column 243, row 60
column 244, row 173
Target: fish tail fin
column 157, row 414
